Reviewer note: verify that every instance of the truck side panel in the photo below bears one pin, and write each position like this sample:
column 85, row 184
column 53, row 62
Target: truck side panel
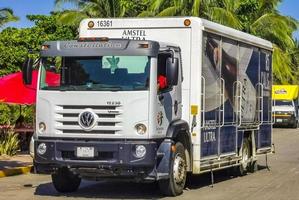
column 237, row 95
column 265, row 136
column 212, row 105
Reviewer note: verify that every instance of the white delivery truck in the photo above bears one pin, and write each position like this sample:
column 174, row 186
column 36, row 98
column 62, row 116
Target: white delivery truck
column 151, row 100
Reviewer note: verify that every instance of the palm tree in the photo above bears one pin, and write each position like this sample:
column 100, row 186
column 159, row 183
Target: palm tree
column 99, row 8
column 262, row 19
column 175, row 8
column 257, row 17
column 6, row 15
column 295, row 60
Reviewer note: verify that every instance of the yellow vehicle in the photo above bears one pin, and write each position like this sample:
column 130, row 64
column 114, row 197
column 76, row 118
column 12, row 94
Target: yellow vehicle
column 285, row 109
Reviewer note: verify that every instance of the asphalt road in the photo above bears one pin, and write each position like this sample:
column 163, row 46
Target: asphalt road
column 280, row 183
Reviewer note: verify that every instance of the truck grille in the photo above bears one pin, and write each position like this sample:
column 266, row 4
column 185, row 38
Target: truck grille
column 67, row 116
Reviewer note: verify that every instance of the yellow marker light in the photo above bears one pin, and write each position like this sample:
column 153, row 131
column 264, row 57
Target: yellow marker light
column 173, row 148
column 90, row 24
column 194, row 109
column 187, row 22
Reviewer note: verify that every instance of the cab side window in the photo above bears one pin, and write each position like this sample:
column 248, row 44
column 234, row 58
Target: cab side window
column 161, row 75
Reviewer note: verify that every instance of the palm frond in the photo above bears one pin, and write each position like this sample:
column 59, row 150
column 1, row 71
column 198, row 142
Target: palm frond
column 282, row 67
column 146, row 14
column 225, row 17
column 268, row 5
column 196, row 7
column 59, row 3
column 72, row 17
column 6, row 15
column 275, row 28
column 157, row 5
column 170, row 11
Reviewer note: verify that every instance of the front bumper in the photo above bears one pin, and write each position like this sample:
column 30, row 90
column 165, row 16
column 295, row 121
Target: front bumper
column 284, row 120
column 111, row 158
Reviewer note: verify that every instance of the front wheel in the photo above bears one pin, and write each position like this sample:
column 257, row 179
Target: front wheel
column 175, row 184
column 65, row 181
column 295, row 124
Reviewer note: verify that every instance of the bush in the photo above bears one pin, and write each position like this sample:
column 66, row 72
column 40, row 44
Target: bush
column 10, row 113
column 9, row 143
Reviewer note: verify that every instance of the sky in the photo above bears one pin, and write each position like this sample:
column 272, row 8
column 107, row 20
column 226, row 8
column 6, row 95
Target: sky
column 22, row 8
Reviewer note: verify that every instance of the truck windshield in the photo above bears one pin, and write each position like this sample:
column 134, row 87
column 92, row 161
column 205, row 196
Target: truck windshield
column 103, row 73
column 283, row 103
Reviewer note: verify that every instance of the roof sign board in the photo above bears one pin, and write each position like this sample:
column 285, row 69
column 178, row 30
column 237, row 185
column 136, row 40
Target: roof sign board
column 285, row 92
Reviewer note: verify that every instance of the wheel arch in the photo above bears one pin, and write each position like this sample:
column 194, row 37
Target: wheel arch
column 178, row 131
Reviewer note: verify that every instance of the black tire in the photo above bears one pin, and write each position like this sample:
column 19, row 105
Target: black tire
column 253, row 167
column 245, row 163
column 65, row 181
column 175, row 186
column 295, row 124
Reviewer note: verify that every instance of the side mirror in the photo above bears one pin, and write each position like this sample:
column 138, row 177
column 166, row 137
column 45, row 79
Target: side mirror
column 27, row 71
column 172, row 71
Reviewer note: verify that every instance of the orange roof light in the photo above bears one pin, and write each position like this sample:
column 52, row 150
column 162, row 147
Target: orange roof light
column 45, row 47
column 103, row 39
column 90, row 24
column 187, row 22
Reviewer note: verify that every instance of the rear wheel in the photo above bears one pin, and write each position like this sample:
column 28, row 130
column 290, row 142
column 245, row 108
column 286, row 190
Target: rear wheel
column 65, row 181
column 175, row 184
column 245, row 163
column 253, row 167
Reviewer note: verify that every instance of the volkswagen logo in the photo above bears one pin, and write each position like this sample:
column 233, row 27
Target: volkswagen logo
column 87, row 119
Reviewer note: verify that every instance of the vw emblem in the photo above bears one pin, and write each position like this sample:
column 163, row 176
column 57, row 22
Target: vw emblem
column 87, row 119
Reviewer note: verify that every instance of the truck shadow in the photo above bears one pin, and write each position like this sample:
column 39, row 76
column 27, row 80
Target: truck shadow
column 205, row 180
column 128, row 190
column 105, row 190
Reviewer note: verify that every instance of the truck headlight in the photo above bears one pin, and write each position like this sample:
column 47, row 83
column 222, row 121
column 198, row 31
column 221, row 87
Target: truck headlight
column 140, row 129
column 140, row 151
column 42, row 127
column 42, row 148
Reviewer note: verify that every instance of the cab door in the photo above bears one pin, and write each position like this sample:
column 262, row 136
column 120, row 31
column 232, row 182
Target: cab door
column 168, row 96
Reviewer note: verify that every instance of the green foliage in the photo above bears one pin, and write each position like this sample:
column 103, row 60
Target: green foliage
column 14, row 46
column 99, row 8
column 15, row 43
column 6, row 15
column 10, row 113
column 9, row 143
column 257, row 17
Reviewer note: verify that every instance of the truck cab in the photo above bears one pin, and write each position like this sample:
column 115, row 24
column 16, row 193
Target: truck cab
column 104, row 113
column 285, row 108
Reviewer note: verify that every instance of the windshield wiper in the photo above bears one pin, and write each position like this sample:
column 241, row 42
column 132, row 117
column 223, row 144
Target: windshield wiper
column 67, row 88
column 139, row 87
column 105, row 86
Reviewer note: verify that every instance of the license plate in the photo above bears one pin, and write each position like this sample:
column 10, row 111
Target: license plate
column 85, row 152
column 278, row 120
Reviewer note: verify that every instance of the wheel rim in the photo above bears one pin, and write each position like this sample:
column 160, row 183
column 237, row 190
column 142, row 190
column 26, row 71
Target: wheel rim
column 245, row 157
column 179, row 169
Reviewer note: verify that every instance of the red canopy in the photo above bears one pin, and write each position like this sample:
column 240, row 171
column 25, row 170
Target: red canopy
column 12, row 89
